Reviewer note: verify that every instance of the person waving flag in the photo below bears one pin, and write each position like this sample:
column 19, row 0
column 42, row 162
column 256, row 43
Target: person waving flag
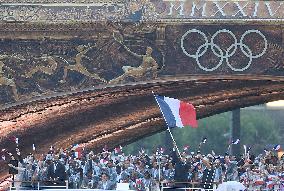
column 176, row 113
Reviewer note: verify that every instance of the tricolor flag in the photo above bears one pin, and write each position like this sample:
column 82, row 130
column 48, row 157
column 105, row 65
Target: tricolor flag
column 78, row 151
column 186, row 147
column 266, row 151
column 103, row 161
column 138, row 184
column 139, row 181
column 276, row 147
column 177, row 113
column 236, row 142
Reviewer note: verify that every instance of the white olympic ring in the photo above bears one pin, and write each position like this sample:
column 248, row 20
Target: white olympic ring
column 219, row 53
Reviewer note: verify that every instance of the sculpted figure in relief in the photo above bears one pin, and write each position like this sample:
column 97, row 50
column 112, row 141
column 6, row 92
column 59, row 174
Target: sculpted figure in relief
column 82, row 50
column 148, row 64
column 6, row 81
column 49, row 69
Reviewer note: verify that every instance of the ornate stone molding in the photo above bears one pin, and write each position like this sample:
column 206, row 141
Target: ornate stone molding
column 61, row 1
column 54, row 11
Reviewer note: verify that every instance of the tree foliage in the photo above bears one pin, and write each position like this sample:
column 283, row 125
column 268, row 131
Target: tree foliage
column 258, row 129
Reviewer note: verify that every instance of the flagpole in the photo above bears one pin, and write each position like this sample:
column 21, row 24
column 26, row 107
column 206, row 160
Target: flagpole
column 228, row 149
column 175, row 144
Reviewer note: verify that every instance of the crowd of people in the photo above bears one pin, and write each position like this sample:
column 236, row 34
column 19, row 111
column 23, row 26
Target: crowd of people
column 86, row 169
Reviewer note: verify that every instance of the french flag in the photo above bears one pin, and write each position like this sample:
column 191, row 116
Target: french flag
column 236, row 142
column 186, row 147
column 276, row 147
column 78, row 151
column 177, row 113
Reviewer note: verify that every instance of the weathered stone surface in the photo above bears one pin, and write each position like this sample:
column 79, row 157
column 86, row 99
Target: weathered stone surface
column 47, row 31
column 109, row 114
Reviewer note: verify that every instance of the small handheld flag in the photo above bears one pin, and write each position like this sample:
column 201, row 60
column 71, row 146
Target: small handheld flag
column 186, row 148
column 276, row 147
column 265, row 150
column 157, row 151
column 204, row 140
column 236, row 142
column 78, row 151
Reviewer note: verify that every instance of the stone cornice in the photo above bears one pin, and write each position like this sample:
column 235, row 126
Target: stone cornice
column 91, row 30
column 58, row 1
column 55, row 11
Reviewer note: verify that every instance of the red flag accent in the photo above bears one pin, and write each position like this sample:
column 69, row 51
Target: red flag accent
column 188, row 114
column 186, row 147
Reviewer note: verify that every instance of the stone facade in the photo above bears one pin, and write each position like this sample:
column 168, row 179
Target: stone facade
column 51, row 46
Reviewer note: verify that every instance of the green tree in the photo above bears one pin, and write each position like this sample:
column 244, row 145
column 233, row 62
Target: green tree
column 258, row 129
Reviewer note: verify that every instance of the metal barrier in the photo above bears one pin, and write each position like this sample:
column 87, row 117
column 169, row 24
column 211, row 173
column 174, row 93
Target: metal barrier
column 36, row 185
column 189, row 186
column 192, row 186
column 274, row 188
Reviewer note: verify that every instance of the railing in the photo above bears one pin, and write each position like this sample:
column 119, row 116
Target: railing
column 276, row 187
column 192, row 186
column 37, row 185
column 188, row 186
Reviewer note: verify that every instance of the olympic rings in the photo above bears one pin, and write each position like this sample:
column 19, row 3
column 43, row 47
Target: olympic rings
column 223, row 55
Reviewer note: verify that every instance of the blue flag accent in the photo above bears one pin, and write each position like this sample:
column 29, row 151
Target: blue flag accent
column 166, row 110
